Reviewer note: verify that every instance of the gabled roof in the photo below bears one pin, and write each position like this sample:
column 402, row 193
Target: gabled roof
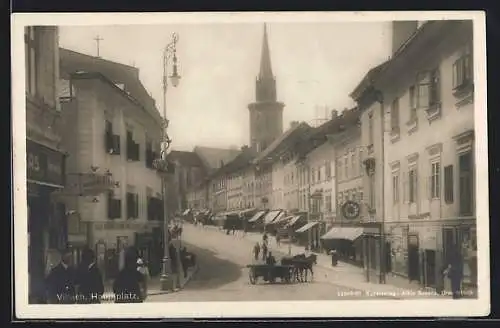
column 368, row 80
column 185, row 158
column 282, row 142
column 215, row 158
column 334, row 126
column 72, row 62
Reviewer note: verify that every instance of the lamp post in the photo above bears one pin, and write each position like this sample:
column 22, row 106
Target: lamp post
column 168, row 53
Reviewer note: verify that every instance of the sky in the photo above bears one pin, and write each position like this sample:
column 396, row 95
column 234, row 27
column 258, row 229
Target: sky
column 317, row 65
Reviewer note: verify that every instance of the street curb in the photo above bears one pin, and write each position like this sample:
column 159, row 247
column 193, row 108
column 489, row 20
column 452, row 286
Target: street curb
column 183, row 284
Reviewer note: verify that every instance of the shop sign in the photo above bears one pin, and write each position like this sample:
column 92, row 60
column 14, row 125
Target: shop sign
column 44, row 164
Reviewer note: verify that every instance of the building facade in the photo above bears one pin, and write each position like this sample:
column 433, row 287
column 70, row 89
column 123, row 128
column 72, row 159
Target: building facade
column 428, row 165
column 47, row 224
column 117, row 140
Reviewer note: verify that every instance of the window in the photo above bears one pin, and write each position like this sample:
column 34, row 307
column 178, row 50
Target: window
column 435, row 182
column 328, row 203
column 428, row 89
column 370, row 129
column 466, row 186
column 412, row 185
column 31, row 47
column 132, row 147
column 395, row 188
column 114, row 207
column 150, row 154
column 319, row 174
column 339, row 169
column 328, row 170
column 395, row 116
column 448, row 184
column 413, row 104
column 313, row 175
column 462, row 70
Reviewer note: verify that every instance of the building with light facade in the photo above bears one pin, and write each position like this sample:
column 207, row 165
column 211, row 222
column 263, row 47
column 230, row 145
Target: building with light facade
column 418, row 127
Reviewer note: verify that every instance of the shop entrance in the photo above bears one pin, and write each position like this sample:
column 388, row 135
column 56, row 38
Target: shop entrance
column 413, row 258
column 430, row 268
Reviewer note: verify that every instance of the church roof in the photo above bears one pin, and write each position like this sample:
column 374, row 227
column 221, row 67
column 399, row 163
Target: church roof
column 266, row 70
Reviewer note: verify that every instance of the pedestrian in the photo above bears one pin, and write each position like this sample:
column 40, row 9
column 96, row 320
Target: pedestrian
column 128, row 286
column 256, row 251
column 60, row 281
column 454, row 271
column 143, row 269
column 278, row 239
column 89, row 279
column 264, row 252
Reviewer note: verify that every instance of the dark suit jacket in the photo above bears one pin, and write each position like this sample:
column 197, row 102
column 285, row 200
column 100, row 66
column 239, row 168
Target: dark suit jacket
column 61, row 285
column 90, row 286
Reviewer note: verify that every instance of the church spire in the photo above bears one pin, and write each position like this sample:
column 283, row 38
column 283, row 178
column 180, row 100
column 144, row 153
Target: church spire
column 266, row 71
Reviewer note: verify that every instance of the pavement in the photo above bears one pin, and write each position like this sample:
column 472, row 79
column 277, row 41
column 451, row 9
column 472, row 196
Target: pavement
column 223, row 275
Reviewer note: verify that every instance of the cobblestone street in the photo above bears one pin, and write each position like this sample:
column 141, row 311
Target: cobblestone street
column 223, row 275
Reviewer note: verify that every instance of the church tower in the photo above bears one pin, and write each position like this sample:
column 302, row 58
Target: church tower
column 266, row 113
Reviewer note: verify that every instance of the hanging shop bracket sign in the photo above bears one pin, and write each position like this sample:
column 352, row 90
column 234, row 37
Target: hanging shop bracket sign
column 44, row 165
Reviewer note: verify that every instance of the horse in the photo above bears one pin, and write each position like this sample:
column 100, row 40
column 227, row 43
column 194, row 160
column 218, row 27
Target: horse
column 305, row 264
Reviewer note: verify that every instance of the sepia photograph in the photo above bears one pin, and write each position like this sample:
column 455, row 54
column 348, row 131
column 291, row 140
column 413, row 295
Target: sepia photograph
column 250, row 165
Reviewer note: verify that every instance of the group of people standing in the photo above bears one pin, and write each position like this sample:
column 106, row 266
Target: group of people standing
column 83, row 284
column 266, row 254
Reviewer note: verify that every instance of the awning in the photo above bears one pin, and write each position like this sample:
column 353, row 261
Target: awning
column 282, row 218
column 347, row 233
column 271, row 216
column 186, row 212
column 307, row 226
column 294, row 219
column 243, row 212
column 257, row 216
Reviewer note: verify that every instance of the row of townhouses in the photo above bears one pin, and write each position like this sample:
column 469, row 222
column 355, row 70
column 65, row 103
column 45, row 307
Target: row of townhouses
column 393, row 178
column 93, row 134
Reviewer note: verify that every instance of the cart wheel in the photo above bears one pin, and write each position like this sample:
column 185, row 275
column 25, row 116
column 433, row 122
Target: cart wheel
column 252, row 277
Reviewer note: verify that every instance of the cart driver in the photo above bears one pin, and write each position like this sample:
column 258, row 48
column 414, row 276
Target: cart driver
column 270, row 259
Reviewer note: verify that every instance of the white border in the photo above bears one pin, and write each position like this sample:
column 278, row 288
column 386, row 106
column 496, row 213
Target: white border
column 373, row 308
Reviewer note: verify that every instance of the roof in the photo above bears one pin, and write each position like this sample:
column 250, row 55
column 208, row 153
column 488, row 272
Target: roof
column 290, row 137
column 368, row 80
column 215, row 158
column 185, row 158
column 322, row 133
column 266, row 70
column 71, row 62
column 241, row 161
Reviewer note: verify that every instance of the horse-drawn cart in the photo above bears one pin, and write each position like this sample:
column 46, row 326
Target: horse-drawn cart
column 270, row 272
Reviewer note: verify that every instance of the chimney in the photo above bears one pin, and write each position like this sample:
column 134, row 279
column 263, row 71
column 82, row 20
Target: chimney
column 294, row 124
column 401, row 32
column 334, row 113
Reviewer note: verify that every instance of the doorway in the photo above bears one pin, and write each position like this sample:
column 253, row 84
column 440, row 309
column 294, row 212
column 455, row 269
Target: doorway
column 430, row 268
column 413, row 258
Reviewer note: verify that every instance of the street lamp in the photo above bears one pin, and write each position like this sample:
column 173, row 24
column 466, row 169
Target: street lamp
column 170, row 52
